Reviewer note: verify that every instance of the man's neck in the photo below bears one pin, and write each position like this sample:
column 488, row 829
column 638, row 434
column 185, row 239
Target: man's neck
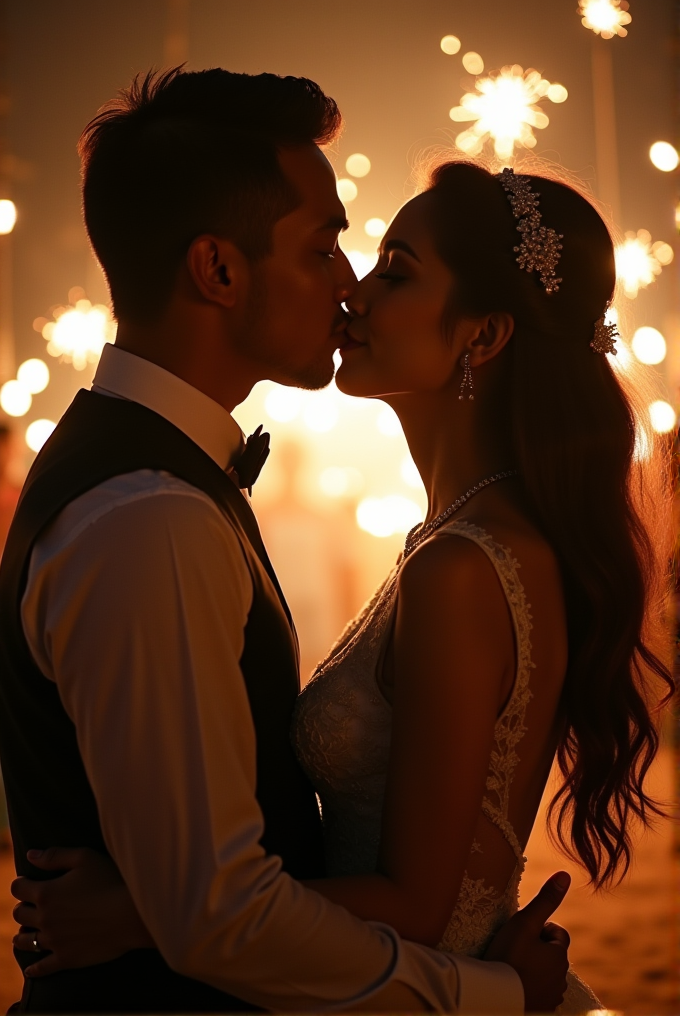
column 195, row 354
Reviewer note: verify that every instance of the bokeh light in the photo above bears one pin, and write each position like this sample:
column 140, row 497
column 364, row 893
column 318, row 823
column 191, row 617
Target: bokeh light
column 338, row 481
column 649, row 345
column 663, row 416
column 557, row 93
column 375, row 227
column 38, row 432
column 409, row 473
column 664, row 156
column 605, row 17
column 79, row 332
column 388, row 422
column 321, row 413
column 361, row 263
column 473, row 63
column 638, row 261
column 504, row 108
column 450, row 44
column 15, row 398
column 283, row 404
column 358, row 165
column 8, row 216
column 34, row 375
column 385, row 516
column 347, row 190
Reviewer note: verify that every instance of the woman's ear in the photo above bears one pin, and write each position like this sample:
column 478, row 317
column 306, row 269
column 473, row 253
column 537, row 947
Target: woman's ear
column 219, row 270
column 491, row 334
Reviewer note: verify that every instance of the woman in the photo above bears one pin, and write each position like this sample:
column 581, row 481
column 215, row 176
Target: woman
column 430, row 729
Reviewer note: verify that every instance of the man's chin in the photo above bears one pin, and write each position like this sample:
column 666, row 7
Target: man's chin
column 315, row 377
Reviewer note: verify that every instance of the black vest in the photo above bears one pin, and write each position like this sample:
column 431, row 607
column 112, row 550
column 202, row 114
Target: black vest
column 49, row 798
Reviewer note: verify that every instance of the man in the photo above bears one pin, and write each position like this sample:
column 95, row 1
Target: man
column 150, row 663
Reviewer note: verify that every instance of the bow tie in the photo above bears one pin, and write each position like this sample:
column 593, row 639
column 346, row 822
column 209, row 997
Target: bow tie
column 251, row 460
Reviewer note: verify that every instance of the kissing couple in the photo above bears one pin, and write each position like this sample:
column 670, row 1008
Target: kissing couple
column 161, row 766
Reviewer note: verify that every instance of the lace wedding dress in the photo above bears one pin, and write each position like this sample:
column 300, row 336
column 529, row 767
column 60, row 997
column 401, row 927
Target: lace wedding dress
column 341, row 733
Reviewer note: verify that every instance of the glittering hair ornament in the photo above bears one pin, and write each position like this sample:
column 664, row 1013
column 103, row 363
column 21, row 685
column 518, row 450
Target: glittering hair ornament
column 540, row 247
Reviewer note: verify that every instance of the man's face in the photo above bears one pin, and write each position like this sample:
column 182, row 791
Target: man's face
column 296, row 320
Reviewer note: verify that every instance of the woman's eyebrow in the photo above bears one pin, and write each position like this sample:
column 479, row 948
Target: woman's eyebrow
column 400, row 245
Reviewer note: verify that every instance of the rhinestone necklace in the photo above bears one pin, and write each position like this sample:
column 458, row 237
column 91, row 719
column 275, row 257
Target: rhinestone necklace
column 421, row 532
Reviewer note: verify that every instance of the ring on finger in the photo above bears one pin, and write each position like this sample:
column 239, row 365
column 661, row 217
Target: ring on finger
column 35, row 945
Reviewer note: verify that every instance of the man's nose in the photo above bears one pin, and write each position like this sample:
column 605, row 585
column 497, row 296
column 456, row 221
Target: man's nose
column 346, row 280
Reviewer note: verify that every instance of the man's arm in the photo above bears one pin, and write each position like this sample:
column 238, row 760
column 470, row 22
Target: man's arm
column 139, row 619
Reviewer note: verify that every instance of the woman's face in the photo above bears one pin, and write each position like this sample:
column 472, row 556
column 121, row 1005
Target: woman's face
column 395, row 342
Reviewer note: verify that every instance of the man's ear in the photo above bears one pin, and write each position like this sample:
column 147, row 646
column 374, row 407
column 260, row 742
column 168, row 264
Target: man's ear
column 219, row 270
column 491, row 334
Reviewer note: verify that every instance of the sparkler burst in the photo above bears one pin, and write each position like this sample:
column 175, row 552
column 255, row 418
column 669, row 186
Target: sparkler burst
column 639, row 261
column 80, row 331
column 505, row 109
column 605, row 17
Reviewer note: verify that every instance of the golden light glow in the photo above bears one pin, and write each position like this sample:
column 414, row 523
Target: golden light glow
column 38, row 432
column 388, row 422
column 638, row 261
column 504, row 108
column 347, row 190
column 34, row 374
column 473, row 63
column 605, row 17
column 358, row 165
column 321, row 412
column 375, row 227
column 663, row 416
column 8, row 216
column 15, row 398
column 649, row 345
column 79, row 332
column 283, row 404
column 409, row 473
column 664, row 156
column 388, row 515
column 450, row 44
column 361, row 263
column 336, row 481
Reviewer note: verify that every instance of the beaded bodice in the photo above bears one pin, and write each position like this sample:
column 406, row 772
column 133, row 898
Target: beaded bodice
column 341, row 733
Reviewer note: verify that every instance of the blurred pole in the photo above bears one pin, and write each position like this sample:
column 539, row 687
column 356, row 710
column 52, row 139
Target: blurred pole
column 7, row 350
column 604, row 107
column 176, row 40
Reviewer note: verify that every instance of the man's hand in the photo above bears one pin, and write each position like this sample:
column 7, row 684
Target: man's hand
column 85, row 916
column 536, row 949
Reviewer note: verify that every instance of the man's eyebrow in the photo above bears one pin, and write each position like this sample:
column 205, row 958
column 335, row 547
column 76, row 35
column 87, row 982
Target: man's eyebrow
column 400, row 245
column 335, row 222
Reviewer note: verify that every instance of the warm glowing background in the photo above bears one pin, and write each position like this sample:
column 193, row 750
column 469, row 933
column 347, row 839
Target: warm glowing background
column 340, row 489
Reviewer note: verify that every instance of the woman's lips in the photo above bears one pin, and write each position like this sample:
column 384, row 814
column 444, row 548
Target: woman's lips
column 350, row 343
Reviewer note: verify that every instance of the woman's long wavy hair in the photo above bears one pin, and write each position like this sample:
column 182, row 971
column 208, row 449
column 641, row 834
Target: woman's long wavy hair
column 596, row 486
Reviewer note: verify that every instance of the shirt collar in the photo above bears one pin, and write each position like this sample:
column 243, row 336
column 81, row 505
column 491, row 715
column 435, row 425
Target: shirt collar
column 208, row 424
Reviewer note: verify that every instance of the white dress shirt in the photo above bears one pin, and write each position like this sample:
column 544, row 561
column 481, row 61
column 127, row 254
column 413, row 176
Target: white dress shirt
column 135, row 606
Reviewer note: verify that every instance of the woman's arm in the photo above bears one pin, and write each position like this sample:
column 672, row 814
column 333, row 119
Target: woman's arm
column 453, row 663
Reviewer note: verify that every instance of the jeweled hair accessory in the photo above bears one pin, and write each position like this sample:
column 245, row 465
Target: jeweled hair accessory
column 540, row 248
column 604, row 339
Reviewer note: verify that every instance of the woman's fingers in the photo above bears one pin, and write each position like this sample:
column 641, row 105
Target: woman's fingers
column 48, row 965
column 555, row 933
column 25, row 889
column 25, row 940
column 60, row 858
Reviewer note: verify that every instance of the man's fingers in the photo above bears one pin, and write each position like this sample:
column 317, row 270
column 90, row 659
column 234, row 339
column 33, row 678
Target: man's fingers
column 49, row 965
column 58, row 858
column 556, row 935
column 545, row 903
column 25, row 914
column 25, row 889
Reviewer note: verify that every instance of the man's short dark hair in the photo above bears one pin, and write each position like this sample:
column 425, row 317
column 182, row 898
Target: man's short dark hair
column 180, row 153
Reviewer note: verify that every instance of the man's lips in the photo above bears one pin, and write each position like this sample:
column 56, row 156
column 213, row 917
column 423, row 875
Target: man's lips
column 350, row 342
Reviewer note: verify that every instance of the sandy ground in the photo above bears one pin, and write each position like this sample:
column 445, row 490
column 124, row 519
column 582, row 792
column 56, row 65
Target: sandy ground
column 624, row 944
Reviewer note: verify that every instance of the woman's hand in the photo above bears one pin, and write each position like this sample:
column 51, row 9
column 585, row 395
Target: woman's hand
column 85, row 916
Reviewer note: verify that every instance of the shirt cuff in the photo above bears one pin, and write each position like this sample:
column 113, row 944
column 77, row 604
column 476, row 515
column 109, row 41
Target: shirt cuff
column 488, row 987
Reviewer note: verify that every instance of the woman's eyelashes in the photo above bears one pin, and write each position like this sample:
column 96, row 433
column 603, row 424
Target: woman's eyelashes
column 391, row 275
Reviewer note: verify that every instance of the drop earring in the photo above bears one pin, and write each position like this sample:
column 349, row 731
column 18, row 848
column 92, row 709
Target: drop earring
column 467, row 385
